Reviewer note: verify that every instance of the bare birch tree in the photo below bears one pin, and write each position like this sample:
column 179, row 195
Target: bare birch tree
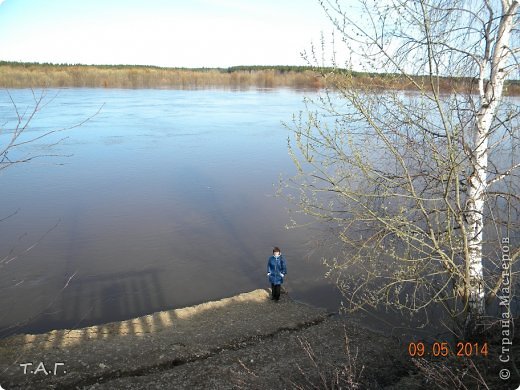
column 420, row 186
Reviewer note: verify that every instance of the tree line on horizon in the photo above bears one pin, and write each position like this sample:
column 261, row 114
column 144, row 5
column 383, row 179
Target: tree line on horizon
column 43, row 75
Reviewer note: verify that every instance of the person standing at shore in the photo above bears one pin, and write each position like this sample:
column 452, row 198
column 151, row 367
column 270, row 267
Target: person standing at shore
column 276, row 271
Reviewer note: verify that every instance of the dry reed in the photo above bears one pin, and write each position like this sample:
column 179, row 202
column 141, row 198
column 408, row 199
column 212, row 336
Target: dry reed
column 42, row 76
column 29, row 75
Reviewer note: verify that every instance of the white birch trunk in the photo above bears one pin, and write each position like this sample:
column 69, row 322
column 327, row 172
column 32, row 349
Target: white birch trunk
column 490, row 96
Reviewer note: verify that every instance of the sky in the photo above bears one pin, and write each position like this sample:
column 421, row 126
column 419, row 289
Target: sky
column 177, row 33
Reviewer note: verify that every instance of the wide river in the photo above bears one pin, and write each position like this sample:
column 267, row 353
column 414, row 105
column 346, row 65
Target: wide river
column 165, row 198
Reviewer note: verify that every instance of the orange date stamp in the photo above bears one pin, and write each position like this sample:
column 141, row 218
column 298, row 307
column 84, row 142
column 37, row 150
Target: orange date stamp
column 443, row 349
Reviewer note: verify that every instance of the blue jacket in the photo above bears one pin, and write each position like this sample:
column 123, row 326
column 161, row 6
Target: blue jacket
column 276, row 267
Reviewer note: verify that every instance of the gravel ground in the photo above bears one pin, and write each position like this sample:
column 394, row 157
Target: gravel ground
column 280, row 361
column 148, row 344
column 242, row 342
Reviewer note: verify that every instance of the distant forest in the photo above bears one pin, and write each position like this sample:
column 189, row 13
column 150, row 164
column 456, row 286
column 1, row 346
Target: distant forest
column 44, row 75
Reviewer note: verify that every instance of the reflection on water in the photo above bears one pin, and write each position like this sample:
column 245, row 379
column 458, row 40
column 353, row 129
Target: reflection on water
column 166, row 201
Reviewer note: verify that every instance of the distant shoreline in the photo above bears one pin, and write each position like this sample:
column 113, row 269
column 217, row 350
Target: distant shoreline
column 32, row 75
column 35, row 75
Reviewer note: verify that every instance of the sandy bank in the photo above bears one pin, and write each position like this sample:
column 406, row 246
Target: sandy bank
column 242, row 342
column 146, row 344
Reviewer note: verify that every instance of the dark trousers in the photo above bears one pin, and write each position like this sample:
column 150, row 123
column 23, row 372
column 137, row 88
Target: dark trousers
column 275, row 288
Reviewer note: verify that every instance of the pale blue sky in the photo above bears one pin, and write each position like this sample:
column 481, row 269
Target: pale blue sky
column 190, row 33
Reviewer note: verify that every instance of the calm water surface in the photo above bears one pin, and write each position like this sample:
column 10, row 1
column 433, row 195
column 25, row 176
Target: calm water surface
column 162, row 200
